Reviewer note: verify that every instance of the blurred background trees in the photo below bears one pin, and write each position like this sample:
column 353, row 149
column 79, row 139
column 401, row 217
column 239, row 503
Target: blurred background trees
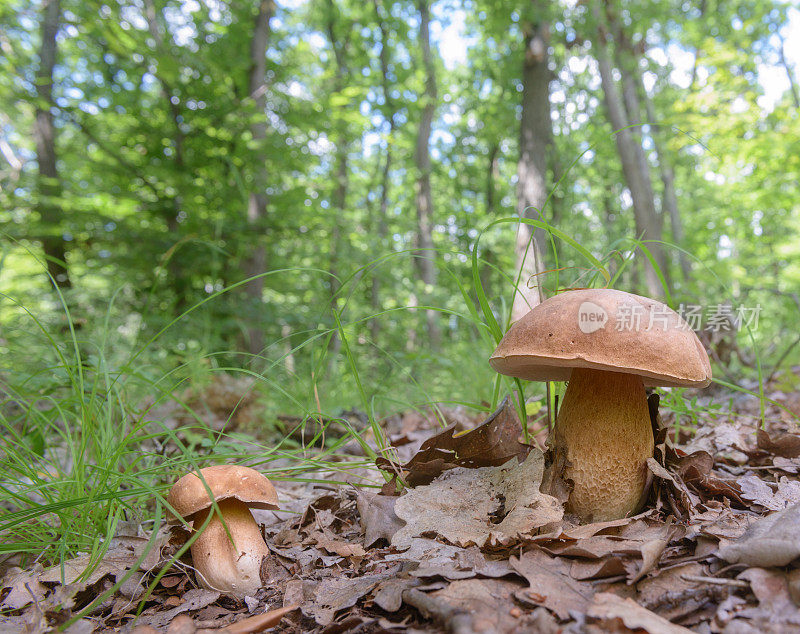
column 343, row 157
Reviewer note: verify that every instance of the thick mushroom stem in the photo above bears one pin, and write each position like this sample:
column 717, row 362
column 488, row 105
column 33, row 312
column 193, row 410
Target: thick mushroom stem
column 232, row 568
column 604, row 431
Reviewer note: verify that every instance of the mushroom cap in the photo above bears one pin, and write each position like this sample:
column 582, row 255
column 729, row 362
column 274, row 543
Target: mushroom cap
column 189, row 496
column 603, row 329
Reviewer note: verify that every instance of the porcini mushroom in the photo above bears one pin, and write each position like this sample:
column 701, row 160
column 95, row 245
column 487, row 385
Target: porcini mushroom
column 609, row 345
column 232, row 567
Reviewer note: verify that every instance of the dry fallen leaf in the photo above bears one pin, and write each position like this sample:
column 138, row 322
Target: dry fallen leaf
column 338, row 593
column 612, row 611
column 494, row 505
column 771, row 541
column 785, row 445
column 771, row 588
column 494, row 442
column 472, row 605
column 259, row 622
column 111, row 563
column 378, row 519
column 24, row 588
column 192, row 600
column 551, row 584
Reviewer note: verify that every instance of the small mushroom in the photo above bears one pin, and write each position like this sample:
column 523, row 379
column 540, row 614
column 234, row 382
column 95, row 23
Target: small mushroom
column 609, row 345
column 232, row 567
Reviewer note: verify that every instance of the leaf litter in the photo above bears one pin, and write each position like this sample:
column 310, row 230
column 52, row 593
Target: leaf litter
column 462, row 540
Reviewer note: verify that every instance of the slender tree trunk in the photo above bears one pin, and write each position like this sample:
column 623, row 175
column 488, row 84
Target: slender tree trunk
column 256, row 262
column 382, row 224
column 628, row 65
column 177, row 276
column 426, row 255
column 338, row 242
column 536, row 130
column 493, row 166
column 670, row 200
column 49, row 184
column 631, row 153
column 789, row 72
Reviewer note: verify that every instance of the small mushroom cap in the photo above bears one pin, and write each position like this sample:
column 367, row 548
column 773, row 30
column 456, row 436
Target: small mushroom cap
column 189, row 496
column 603, row 329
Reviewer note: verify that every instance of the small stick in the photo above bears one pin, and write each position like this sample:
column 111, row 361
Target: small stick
column 736, row 583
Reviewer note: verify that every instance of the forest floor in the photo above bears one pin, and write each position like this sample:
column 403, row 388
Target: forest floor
column 472, row 546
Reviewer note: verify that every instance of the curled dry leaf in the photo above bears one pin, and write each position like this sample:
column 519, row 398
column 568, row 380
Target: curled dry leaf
column 771, row 541
column 616, row 614
column 551, row 584
column 259, row 622
column 378, row 519
column 771, row 589
column 471, row 606
column 492, row 505
column 494, row 442
column 23, row 588
column 192, row 600
column 756, row 490
column 785, row 445
column 338, row 593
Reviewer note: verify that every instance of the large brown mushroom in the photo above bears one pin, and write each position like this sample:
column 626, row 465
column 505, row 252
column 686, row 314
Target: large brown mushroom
column 232, row 567
column 609, row 345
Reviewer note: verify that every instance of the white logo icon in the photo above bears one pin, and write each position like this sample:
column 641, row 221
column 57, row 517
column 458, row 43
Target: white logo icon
column 591, row 317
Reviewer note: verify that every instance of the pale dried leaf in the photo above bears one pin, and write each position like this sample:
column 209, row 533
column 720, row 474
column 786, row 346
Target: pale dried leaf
column 610, row 609
column 551, row 584
column 259, row 622
column 337, row 594
column 378, row 519
column 771, row 588
column 24, row 587
column 112, row 563
column 460, row 504
column 338, row 546
column 472, row 605
column 771, row 541
column 192, row 600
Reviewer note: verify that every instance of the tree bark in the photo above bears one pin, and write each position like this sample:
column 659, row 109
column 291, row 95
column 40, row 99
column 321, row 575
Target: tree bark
column 425, row 256
column 789, row 71
column 256, row 262
column 634, row 162
column 177, row 276
column 493, row 166
column 628, row 65
column 49, row 184
column 670, row 199
column 382, row 224
column 339, row 197
column 536, row 129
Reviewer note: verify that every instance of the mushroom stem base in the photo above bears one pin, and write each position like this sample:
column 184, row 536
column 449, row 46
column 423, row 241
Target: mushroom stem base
column 229, row 567
column 603, row 438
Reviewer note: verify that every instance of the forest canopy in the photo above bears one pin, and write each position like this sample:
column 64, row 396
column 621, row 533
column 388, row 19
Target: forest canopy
column 271, row 179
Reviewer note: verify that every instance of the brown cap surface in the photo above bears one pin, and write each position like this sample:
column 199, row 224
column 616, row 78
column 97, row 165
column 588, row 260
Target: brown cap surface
column 603, row 329
column 189, row 496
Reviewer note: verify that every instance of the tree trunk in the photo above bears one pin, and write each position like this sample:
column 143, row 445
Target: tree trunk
column 634, row 162
column 670, row 200
column 536, row 130
column 789, row 71
column 628, row 65
column 382, row 225
column 49, row 185
column 255, row 263
column 426, row 255
column 491, row 177
column 338, row 239
column 178, row 280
